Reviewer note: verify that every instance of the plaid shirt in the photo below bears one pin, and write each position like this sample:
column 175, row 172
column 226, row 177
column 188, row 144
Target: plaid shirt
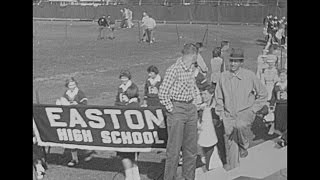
column 178, row 84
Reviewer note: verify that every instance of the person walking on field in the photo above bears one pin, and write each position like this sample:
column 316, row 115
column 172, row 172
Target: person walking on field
column 177, row 93
column 102, row 22
column 129, row 12
column 111, row 26
column 148, row 24
column 239, row 95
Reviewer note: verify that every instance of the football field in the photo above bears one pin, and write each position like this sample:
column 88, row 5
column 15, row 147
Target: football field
column 63, row 49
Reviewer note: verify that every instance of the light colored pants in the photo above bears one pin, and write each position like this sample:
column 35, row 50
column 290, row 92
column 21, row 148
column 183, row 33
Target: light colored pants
column 238, row 132
column 182, row 132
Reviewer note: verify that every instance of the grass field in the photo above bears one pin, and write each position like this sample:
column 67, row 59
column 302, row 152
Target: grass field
column 62, row 49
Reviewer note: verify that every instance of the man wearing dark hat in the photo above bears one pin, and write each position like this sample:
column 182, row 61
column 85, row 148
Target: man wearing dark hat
column 239, row 95
column 178, row 93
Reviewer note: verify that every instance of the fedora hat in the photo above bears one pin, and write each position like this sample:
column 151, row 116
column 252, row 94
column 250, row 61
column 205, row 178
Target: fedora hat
column 236, row 54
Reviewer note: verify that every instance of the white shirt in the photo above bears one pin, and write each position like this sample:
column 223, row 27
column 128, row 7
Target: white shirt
column 148, row 22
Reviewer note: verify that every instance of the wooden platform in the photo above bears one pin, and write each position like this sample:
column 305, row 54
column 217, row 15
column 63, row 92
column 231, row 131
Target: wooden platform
column 263, row 160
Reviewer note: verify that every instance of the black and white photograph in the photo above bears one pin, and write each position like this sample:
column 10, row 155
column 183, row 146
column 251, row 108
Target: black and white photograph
column 159, row 89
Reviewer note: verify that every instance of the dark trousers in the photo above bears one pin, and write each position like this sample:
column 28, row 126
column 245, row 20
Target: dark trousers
column 124, row 23
column 207, row 154
column 219, row 128
column 182, row 132
column 149, row 34
column 101, row 30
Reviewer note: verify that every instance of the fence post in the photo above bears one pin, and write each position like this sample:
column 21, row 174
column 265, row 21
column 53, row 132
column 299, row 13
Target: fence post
column 66, row 31
column 218, row 10
column 242, row 12
column 139, row 31
column 207, row 34
column 178, row 34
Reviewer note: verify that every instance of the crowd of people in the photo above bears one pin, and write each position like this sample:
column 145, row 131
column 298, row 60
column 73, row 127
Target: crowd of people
column 107, row 24
column 211, row 111
column 275, row 30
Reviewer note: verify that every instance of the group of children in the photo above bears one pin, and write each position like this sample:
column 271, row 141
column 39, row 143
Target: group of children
column 272, row 71
column 275, row 30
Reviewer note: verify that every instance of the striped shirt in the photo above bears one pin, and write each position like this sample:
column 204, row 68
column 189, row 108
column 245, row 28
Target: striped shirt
column 178, row 84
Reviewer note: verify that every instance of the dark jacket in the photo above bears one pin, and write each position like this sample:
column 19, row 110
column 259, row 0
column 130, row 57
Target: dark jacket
column 102, row 22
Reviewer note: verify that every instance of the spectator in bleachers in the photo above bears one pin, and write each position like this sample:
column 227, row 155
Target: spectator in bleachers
column 217, row 65
column 279, row 100
column 151, row 88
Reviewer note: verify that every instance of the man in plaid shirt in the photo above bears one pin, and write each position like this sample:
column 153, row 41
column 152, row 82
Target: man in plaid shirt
column 177, row 93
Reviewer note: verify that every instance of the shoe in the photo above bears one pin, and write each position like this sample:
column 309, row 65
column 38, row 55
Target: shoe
column 40, row 171
column 203, row 160
column 271, row 131
column 180, row 161
column 40, row 176
column 132, row 173
column 243, row 153
column 227, row 167
column 89, row 156
column 72, row 163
